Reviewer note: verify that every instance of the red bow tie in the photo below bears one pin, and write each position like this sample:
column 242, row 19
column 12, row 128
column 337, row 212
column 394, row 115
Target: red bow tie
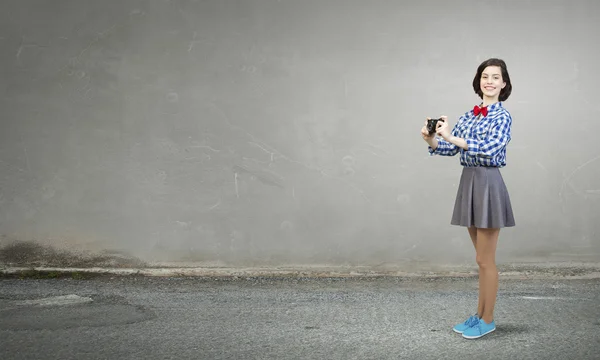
column 482, row 110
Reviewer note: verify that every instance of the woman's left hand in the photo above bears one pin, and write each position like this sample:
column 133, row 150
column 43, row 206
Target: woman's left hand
column 443, row 128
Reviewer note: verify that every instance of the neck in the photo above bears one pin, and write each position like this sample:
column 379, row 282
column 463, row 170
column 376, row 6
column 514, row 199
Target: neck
column 488, row 101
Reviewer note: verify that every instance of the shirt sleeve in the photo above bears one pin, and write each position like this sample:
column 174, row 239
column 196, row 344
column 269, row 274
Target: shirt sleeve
column 446, row 148
column 499, row 136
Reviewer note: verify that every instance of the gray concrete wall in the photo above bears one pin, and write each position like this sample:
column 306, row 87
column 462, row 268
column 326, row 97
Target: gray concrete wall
column 256, row 132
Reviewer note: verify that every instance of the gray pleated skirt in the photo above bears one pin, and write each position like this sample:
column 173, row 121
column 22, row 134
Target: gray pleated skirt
column 482, row 199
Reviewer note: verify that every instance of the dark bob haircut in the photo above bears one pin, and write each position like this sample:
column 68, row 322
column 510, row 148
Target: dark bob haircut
column 505, row 92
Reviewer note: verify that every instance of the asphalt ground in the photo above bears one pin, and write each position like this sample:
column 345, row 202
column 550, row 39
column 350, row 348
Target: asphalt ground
column 178, row 317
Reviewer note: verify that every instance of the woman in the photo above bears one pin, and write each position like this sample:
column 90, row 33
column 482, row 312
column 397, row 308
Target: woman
column 482, row 202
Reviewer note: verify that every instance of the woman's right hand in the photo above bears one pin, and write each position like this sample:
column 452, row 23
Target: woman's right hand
column 425, row 133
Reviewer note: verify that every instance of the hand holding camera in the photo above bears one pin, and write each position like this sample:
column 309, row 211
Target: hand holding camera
column 434, row 127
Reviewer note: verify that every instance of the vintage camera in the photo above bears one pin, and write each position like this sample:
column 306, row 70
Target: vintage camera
column 432, row 124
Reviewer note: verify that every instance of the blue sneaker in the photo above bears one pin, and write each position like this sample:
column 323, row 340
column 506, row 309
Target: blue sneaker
column 472, row 320
column 480, row 329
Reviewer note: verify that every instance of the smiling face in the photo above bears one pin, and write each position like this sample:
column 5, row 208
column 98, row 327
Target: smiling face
column 491, row 84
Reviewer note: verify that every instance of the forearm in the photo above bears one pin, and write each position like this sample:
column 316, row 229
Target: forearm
column 433, row 143
column 441, row 147
column 460, row 142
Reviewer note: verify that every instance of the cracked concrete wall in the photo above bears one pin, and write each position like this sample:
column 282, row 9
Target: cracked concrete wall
column 262, row 131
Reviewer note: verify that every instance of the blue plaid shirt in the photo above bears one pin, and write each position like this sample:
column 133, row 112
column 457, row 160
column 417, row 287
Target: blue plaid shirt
column 486, row 138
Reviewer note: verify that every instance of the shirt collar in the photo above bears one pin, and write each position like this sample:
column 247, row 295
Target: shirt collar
column 492, row 108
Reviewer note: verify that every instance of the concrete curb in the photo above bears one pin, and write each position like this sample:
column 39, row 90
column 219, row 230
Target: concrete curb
column 516, row 271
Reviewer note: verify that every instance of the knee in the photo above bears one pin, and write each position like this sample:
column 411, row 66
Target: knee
column 484, row 263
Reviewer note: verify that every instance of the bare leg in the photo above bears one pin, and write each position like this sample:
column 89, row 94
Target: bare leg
column 487, row 240
column 473, row 235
